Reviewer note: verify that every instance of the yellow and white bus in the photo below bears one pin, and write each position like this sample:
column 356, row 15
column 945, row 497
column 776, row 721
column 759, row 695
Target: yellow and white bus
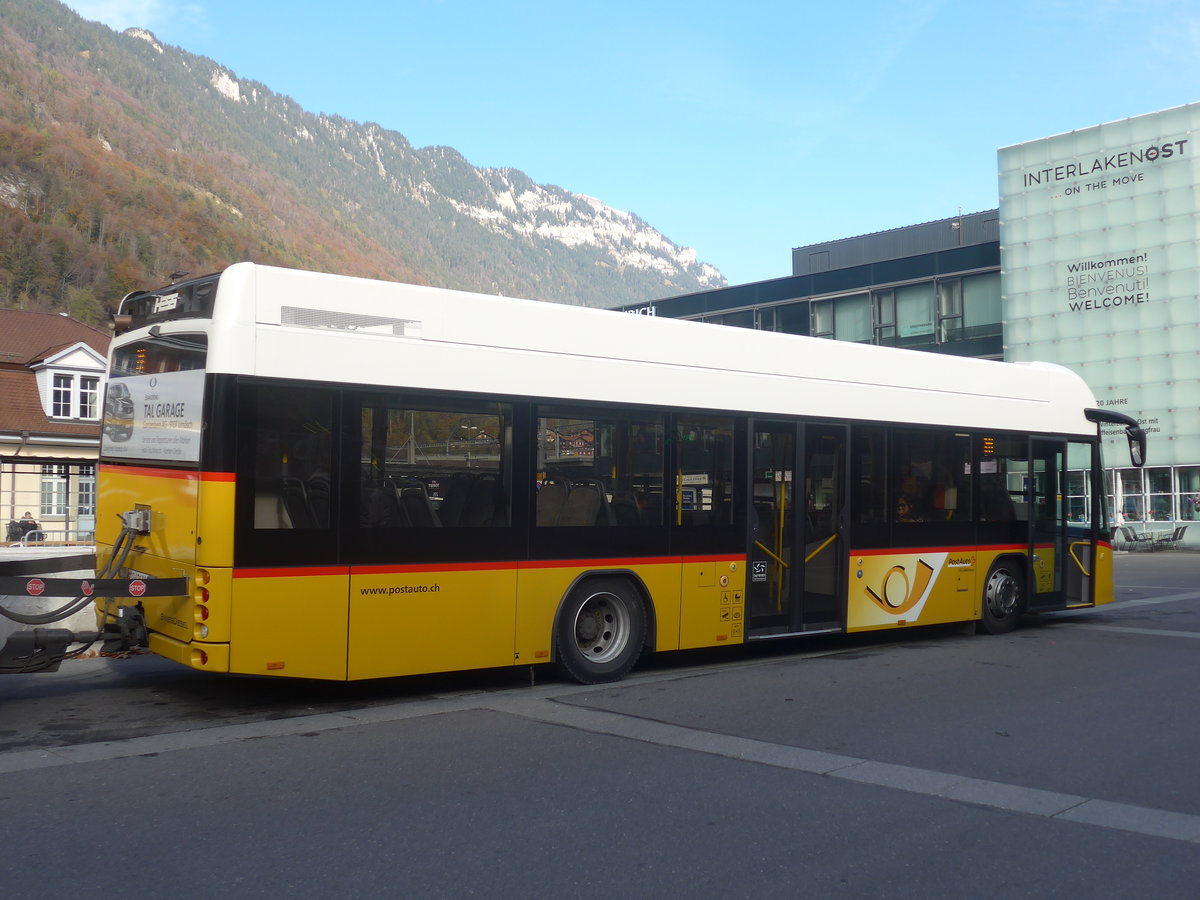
column 359, row 479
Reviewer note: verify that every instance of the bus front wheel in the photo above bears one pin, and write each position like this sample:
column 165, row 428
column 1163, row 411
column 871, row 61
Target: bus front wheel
column 1003, row 599
column 600, row 631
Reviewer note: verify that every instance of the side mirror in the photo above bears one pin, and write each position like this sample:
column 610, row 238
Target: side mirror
column 1137, row 445
column 1133, row 431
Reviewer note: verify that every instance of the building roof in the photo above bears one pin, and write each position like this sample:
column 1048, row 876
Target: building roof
column 26, row 339
column 29, row 337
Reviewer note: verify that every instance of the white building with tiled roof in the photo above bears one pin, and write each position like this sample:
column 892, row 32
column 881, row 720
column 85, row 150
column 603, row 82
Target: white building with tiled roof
column 51, row 400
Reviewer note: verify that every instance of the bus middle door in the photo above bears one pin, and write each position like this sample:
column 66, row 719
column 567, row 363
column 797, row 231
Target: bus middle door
column 797, row 552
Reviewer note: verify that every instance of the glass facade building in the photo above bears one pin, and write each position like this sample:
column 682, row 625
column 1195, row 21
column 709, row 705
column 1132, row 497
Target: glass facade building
column 1100, row 261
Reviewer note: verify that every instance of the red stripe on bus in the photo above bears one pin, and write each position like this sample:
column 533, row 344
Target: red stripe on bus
column 420, row 568
column 608, row 563
column 292, row 572
column 416, row 568
column 950, row 548
column 183, row 474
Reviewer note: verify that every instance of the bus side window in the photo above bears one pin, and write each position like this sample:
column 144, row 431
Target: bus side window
column 292, row 458
column 428, row 468
column 869, row 473
column 931, row 476
column 598, row 467
column 704, row 482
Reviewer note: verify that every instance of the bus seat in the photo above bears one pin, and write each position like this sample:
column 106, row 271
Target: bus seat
column 295, row 503
column 317, row 490
column 382, row 508
column 625, row 509
column 551, row 500
column 414, row 500
column 584, row 506
column 484, row 506
column 455, row 495
column 269, row 512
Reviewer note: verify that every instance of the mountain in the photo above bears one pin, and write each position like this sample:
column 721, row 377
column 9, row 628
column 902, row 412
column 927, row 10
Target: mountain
column 124, row 160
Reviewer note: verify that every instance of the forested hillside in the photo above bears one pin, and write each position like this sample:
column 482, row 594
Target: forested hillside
column 123, row 161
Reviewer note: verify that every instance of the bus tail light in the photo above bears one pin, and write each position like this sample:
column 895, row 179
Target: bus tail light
column 200, row 610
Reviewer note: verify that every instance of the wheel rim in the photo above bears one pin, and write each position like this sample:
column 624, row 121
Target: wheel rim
column 602, row 627
column 1002, row 595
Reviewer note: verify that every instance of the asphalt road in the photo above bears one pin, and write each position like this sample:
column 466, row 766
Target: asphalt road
column 1058, row 761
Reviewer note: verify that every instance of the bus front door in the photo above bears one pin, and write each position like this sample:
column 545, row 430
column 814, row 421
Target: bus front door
column 1061, row 545
column 796, row 548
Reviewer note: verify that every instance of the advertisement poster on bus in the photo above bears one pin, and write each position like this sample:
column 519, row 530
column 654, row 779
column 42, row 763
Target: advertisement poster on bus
column 154, row 417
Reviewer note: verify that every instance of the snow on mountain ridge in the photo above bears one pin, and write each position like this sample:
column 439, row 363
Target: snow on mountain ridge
column 575, row 220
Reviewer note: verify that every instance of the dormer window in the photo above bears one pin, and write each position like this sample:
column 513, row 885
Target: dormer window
column 89, row 397
column 69, row 402
column 63, row 395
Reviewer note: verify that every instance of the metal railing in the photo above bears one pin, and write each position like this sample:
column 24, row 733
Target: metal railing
column 47, row 502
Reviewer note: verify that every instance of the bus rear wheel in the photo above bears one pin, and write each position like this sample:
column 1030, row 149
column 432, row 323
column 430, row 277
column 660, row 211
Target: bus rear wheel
column 1003, row 599
column 600, row 631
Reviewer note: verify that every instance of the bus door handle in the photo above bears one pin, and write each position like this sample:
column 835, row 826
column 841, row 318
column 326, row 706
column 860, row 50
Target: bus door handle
column 825, row 543
column 1078, row 561
column 767, row 550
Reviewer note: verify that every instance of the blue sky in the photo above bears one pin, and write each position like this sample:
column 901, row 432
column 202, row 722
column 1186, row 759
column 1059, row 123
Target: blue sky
column 739, row 129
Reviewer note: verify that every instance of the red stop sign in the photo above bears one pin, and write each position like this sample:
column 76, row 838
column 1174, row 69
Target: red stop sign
column 34, row 587
column 137, row 588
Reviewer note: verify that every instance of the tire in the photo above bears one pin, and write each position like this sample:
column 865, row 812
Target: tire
column 600, row 631
column 1003, row 598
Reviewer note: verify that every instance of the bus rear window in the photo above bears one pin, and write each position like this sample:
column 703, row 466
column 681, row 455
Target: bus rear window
column 166, row 353
column 152, row 408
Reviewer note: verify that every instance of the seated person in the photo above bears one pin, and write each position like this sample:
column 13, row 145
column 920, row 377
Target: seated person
column 905, row 511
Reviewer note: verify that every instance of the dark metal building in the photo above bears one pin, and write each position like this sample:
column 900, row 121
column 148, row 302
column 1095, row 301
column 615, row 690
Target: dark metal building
column 933, row 287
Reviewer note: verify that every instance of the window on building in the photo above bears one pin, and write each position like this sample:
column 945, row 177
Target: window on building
column 89, row 397
column 1189, row 493
column 949, row 310
column 981, row 311
column 86, row 493
column 822, row 318
column 68, row 403
column 792, row 318
column 852, row 318
column 1133, row 502
column 915, row 314
column 54, row 490
column 60, row 400
column 1159, row 481
column 883, row 311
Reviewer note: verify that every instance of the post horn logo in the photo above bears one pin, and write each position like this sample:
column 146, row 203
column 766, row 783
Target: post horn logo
column 897, row 595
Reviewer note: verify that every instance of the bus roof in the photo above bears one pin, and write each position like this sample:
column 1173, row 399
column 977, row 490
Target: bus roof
column 286, row 323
